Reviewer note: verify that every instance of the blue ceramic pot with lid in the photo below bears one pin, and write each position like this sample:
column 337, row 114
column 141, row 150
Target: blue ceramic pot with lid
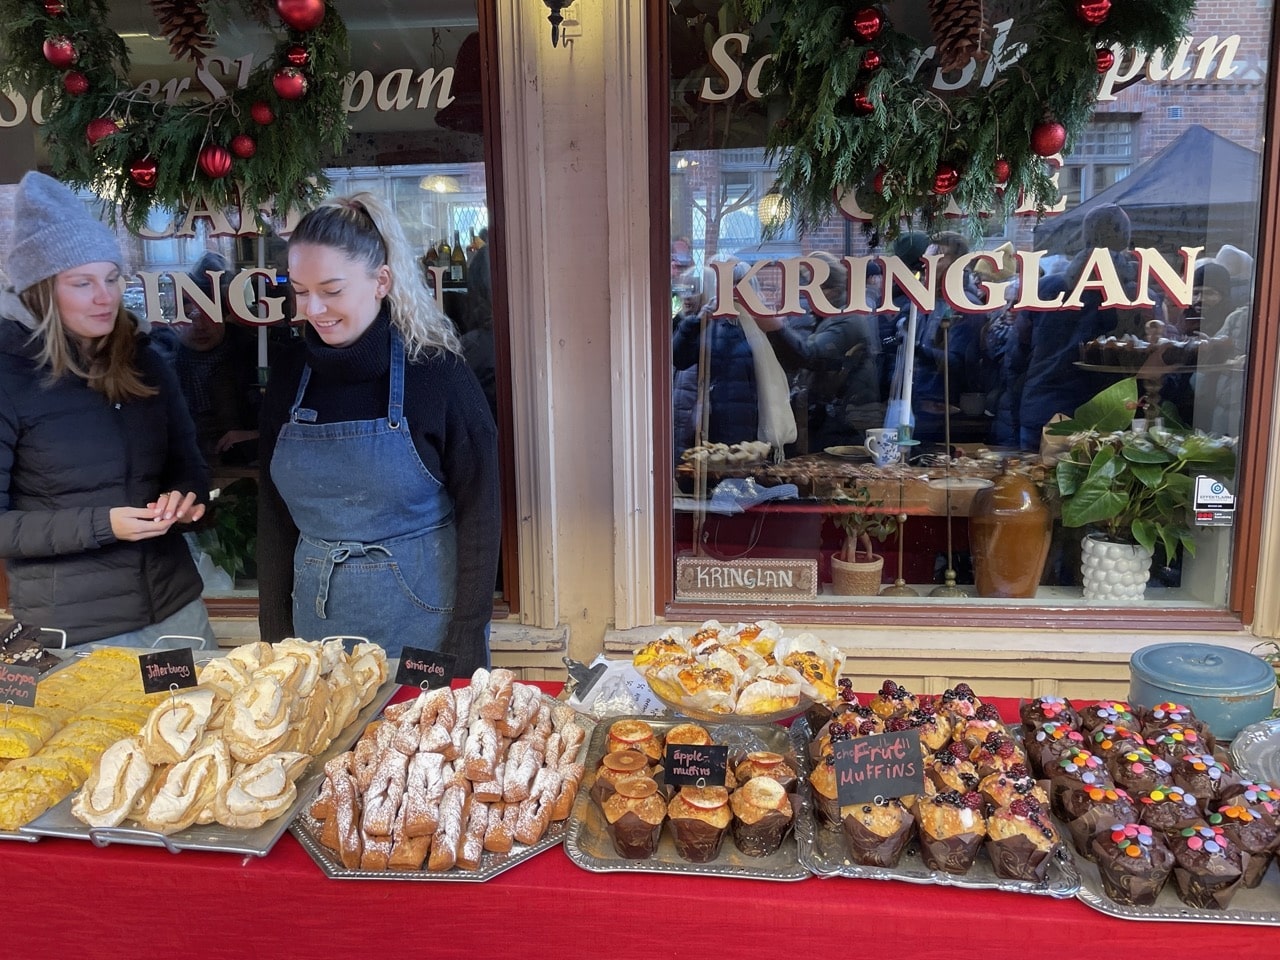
column 1227, row 688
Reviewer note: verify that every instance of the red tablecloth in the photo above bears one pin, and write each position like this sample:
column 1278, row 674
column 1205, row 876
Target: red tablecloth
column 69, row 899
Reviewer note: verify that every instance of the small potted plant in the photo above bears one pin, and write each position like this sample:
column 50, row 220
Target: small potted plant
column 1133, row 486
column 856, row 568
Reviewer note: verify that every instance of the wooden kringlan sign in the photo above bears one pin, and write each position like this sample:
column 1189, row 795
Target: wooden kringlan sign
column 701, row 578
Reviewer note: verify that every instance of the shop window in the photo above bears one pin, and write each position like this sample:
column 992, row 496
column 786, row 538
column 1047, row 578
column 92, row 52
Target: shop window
column 779, row 485
column 425, row 155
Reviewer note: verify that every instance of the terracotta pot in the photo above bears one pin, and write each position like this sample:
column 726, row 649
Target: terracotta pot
column 1009, row 533
column 861, row 579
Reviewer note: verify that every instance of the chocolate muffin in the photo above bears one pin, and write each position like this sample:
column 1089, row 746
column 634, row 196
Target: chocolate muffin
column 1098, row 808
column 1167, row 808
column 1021, row 839
column 1208, row 867
column 1138, row 770
column 951, row 829
column 1072, row 774
column 1256, row 834
column 1045, row 745
column 1202, row 775
column 1036, row 713
column 1163, row 714
column 1174, row 741
column 1117, row 713
column 1262, row 797
column 1133, row 862
column 1109, row 740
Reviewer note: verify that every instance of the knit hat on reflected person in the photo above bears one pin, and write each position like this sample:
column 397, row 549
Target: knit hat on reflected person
column 1106, row 226
column 910, row 247
column 52, row 232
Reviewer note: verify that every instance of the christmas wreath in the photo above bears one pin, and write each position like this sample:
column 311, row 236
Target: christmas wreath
column 862, row 114
column 260, row 145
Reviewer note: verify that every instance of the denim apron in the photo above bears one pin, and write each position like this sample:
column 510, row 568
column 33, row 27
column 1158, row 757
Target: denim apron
column 377, row 551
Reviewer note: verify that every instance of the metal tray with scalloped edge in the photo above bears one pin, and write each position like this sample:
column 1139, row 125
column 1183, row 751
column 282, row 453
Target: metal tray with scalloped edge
column 823, row 852
column 589, row 846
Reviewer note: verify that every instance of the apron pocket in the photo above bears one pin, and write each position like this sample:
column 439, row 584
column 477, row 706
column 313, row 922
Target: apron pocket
column 432, row 589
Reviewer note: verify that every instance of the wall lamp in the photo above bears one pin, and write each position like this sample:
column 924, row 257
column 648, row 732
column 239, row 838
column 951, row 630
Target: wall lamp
column 556, row 18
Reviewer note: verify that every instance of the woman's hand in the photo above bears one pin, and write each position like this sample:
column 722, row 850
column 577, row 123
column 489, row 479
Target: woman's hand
column 137, row 523
column 174, row 507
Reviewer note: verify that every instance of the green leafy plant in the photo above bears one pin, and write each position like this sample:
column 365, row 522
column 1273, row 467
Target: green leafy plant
column 1136, row 486
column 860, row 523
column 231, row 537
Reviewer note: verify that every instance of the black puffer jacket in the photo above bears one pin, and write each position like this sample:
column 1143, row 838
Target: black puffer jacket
column 67, row 456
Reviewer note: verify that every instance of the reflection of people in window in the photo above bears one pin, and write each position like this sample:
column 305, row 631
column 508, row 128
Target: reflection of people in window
column 477, row 337
column 217, row 369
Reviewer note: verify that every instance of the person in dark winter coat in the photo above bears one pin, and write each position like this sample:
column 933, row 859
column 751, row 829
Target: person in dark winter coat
column 99, row 466
column 731, row 388
column 1053, row 383
column 378, row 513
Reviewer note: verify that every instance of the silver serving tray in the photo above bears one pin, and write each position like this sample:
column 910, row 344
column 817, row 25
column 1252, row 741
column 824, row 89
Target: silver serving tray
column 58, row 821
column 588, row 845
column 823, row 852
column 306, row 830
column 1261, row 905
column 1255, row 751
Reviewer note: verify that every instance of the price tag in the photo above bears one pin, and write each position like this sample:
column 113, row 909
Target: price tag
column 166, row 669
column 18, row 685
column 425, row 668
column 688, row 765
column 883, row 765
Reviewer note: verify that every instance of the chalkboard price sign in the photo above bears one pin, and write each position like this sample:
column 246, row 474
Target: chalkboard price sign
column 166, row 669
column 427, row 669
column 884, row 765
column 18, row 684
column 689, row 765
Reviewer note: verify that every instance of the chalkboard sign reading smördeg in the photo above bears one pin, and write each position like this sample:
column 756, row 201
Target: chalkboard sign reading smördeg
column 18, row 685
column 425, row 668
column 692, row 765
column 166, row 669
column 883, row 765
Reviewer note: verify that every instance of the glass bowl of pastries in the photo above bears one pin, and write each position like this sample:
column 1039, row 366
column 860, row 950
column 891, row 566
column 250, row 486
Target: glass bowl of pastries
column 748, row 671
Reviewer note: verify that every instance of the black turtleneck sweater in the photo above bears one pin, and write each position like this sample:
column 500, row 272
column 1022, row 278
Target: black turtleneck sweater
column 454, row 433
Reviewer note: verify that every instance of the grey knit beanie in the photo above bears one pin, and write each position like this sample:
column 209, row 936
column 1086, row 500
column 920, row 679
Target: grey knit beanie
column 52, row 232
column 1106, row 226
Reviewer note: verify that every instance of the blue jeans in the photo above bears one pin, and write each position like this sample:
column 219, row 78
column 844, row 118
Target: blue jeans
column 188, row 627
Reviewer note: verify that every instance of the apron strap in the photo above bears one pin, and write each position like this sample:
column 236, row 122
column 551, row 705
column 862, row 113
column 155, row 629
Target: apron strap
column 341, row 553
column 302, row 389
column 395, row 402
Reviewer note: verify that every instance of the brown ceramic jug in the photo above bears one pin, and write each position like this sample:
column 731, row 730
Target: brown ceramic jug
column 1009, row 532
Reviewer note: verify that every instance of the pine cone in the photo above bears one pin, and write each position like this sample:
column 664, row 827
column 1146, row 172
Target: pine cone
column 185, row 23
column 960, row 32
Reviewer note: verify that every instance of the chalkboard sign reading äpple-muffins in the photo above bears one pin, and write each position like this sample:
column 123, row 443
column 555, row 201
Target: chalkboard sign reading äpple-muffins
column 883, row 765
column 427, row 669
column 700, row 765
column 167, row 670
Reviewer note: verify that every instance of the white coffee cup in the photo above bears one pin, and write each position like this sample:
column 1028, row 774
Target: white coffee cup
column 882, row 444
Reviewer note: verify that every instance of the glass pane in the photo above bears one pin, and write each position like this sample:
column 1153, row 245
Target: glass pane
column 788, row 395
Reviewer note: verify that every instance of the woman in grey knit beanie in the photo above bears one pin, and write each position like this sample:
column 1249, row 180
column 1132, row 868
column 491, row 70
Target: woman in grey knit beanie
column 98, row 461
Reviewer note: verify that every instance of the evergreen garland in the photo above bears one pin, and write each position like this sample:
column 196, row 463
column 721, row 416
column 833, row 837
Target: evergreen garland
column 891, row 156
column 286, row 169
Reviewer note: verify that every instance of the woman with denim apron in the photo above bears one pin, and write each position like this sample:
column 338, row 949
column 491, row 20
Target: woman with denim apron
column 379, row 509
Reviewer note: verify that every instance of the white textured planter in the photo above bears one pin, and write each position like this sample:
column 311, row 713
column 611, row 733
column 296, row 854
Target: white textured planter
column 1114, row 572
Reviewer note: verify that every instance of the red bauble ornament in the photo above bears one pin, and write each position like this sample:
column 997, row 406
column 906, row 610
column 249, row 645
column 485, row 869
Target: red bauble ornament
column 60, row 52
column 1048, row 137
column 98, row 128
column 289, row 83
column 861, row 103
column 215, row 161
column 871, row 61
column 297, row 55
column 244, row 146
column 301, row 14
column 75, row 83
column 1093, row 12
column 867, row 24
column 54, row 8
column 1000, row 169
column 262, row 113
column 143, row 172
column 946, row 178
column 1106, row 59
column 877, row 182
